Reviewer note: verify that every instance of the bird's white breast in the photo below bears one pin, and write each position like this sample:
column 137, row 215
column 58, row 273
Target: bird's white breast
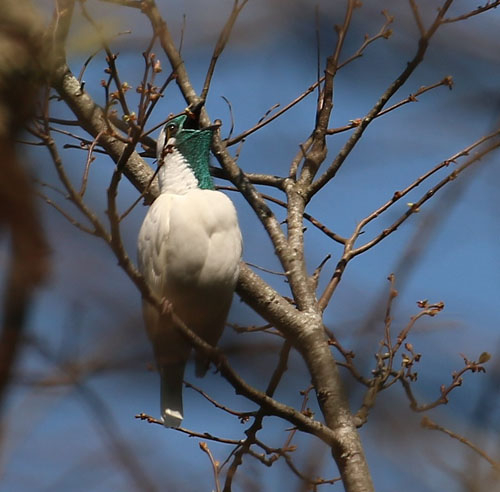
column 190, row 240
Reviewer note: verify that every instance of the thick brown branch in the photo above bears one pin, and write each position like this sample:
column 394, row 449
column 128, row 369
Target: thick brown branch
column 93, row 120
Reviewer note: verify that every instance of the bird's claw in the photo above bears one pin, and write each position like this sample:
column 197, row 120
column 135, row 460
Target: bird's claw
column 166, row 307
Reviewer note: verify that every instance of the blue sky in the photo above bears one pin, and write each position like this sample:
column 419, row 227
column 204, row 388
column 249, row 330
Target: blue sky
column 90, row 313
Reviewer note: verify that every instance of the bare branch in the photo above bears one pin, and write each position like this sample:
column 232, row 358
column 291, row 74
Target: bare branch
column 317, row 152
column 161, row 30
column 479, row 10
column 243, row 416
column 457, row 380
column 283, row 110
column 110, row 59
column 90, row 159
column 136, row 4
column 390, row 91
column 202, row 435
column 93, row 120
column 315, row 222
column 214, row 463
column 446, row 82
column 384, row 33
column 298, row 321
column 221, row 44
column 418, row 18
column 415, row 207
column 254, row 178
column 350, row 251
column 73, row 195
column 259, row 417
column 68, row 217
column 427, row 423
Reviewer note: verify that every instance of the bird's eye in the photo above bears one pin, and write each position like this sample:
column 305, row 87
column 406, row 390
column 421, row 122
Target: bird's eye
column 172, row 130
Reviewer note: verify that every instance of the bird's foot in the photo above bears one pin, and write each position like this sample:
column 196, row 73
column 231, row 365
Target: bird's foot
column 166, row 307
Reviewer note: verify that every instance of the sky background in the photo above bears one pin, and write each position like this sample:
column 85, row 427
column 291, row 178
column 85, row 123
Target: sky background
column 59, row 437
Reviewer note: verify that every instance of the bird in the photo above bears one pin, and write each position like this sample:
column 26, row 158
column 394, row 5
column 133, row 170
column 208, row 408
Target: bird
column 189, row 250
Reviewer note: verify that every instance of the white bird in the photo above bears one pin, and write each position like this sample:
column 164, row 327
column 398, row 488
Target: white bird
column 189, row 249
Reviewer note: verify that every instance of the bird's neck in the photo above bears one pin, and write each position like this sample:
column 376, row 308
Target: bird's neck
column 177, row 176
column 185, row 164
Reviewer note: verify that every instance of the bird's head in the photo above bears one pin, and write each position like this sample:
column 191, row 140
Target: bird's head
column 193, row 144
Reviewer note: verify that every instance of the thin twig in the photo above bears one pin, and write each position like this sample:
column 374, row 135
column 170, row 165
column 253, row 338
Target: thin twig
column 190, row 433
column 90, row 159
column 427, row 423
column 257, row 424
column 141, row 196
column 68, row 217
column 418, row 18
column 110, row 59
column 447, row 82
column 284, row 109
column 243, row 416
column 384, row 33
column 267, row 270
column 215, row 465
column 415, row 207
column 457, row 380
column 390, row 91
column 231, row 116
column 350, row 251
column 221, row 44
column 487, row 6
column 315, row 222
column 136, row 4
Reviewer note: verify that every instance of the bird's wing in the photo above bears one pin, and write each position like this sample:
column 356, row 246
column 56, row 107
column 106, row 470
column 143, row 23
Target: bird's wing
column 171, row 351
column 152, row 243
column 204, row 254
column 205, row 242
column 152, row 246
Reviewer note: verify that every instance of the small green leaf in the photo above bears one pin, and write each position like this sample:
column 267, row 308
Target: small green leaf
column 484, row 357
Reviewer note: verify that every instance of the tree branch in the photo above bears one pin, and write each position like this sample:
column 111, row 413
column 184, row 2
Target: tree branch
column 372, row 114
column 221, row 44
column 427, row 423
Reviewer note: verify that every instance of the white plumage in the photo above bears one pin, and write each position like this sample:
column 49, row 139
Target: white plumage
column 189, row 248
